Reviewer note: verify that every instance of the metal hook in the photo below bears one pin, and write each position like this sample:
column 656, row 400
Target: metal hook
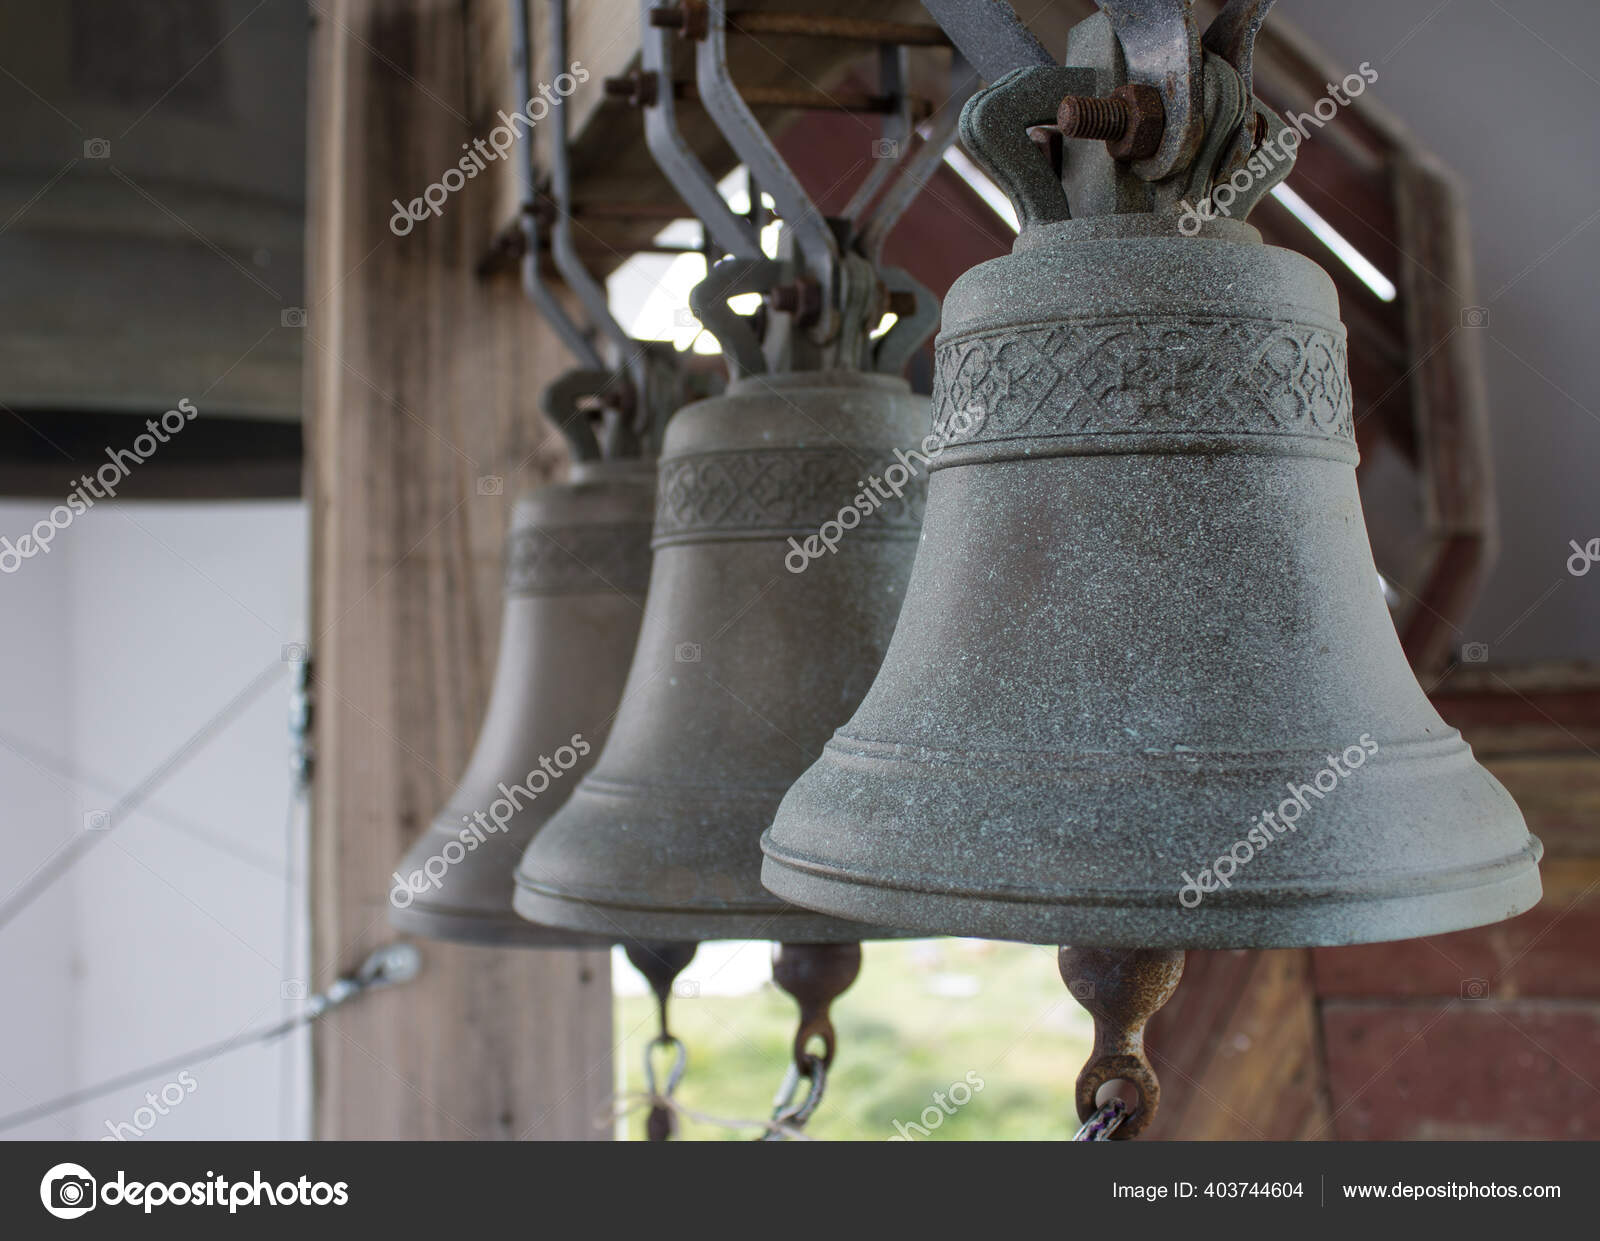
column 590, row 293
column 709, row 302
column 785, row 1111
column 894, row 72
column 874, row 225
column 560, row 402
column 732, row 233
column 575, row 338
column 723, row 104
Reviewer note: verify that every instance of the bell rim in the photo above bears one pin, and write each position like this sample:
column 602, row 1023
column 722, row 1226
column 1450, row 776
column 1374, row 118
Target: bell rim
column 1242, row 919
column 778, row 922
column 456, row 924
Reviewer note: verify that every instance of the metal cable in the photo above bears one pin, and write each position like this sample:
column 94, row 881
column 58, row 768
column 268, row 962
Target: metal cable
column 26, row 892
column 390, row 965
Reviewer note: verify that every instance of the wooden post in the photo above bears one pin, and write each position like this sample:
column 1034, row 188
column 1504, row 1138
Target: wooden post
column 421, row 385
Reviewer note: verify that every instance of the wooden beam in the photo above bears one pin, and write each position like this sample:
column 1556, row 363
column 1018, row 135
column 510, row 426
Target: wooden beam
column 1238, row 1052
column 612, row 168
column 1449, row 402
column 420, row 384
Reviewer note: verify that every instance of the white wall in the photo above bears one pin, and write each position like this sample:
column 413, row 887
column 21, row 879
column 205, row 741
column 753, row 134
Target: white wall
column 182, row 924
column 1505, row 94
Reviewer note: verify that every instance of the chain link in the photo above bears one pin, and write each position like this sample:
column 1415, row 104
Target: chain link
column 786, row 1113
column 1107, row 1119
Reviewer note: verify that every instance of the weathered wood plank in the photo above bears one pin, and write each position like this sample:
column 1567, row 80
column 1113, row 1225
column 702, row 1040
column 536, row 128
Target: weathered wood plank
column 1547, row 952
column 1464, row 1070
column 1237, row 1050
column 420, row 383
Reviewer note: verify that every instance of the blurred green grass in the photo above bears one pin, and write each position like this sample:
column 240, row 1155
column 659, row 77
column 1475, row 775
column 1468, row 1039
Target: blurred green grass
column 922, row 1015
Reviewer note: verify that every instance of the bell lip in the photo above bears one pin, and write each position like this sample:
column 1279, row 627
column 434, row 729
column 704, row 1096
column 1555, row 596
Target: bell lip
column 489, row 930
column 1154, row 919
column 784, row 924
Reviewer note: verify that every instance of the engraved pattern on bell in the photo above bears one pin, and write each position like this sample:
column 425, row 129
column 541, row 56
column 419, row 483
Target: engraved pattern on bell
column 1151, row 374
column 567, row 560
column 761, row 493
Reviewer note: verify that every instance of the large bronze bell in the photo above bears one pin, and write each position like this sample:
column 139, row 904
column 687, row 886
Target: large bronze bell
column 1145, row 692
column 749, row 656
column 577, row 565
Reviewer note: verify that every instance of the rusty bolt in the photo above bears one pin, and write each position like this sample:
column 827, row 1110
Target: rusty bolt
column 688, row 18
column 802, row 299
column 637, row 88
column 1129, row 120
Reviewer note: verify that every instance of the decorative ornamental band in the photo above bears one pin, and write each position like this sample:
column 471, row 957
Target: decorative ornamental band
column 777, row 492
column 1154, row 375
column 573, row 560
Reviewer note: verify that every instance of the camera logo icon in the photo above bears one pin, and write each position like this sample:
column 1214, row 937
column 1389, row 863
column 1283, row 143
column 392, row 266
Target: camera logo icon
column 97, row 821
column 68, row 1191
column 491, row 485
column 1474, row 988
column 1474, row 316
column 885, row 148
column 292, row 316
column 1081, row 989
column 292, row 989
column 687, row 652
column 96, row 148
column 1474, row 652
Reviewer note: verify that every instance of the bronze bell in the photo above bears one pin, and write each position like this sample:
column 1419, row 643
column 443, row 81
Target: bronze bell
column 750, row 654
column 1145, row 691
column 577, row 565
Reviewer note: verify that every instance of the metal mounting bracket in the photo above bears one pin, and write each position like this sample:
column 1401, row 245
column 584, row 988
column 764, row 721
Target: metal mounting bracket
column 1190, row 123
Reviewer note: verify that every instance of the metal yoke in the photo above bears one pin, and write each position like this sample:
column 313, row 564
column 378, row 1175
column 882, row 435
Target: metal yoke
column 828, row 290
